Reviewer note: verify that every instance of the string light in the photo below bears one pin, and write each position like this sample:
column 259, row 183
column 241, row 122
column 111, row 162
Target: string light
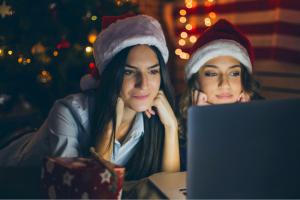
column 207, row 21
column 212, row 15
column 181, row 42
column 182, row 19
column 183, row 35
column 193, row 39
column 92, row 37
column 1, row 52
column 188, row 27
column 10, row 52
column 182, row 12
column 55, row 53
column 178, row 51
column 20, row 60
column 94, row 18
column 88, row 50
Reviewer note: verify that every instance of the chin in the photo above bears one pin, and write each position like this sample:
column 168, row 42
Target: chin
column 139, row 108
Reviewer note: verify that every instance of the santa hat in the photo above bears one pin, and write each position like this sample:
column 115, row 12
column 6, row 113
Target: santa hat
column 122, row 32
column 221, row 39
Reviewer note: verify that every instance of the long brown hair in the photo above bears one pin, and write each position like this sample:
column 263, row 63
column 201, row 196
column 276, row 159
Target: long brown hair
column 249, row 84
column 147, row 158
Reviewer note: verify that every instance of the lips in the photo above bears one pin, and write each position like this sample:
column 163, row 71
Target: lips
column 141, row 97
column 224, row 96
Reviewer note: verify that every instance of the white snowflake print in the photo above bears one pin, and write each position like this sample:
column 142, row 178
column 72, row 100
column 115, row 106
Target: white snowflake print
column 105, row 176
column 51, row 192
column 67, row 179
column 85, row 195
column 49, row 166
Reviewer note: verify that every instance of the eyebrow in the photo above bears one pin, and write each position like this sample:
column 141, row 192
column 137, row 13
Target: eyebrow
column 150, row 67
column 214, row 66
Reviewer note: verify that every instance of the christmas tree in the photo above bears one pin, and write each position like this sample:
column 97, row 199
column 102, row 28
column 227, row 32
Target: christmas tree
column 45, row 48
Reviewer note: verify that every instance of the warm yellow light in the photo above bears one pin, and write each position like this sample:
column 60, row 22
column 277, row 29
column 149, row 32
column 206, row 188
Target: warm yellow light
column 1, row 52
column 182, row 19
column 44, row 73
column 94, row 18
column 178, row 51
column 189, row 5
column 188, row 27
column 88, row 49
column 28, row 60
column 183, row 34
column 207, row 4
column 207, row 21
column 182, row 55
column 211, row 1
column 20, row 60
column 92, row 38
column 181, row 42
column 193, row 39
column 212, row 15
column 188, row 1
column 10, row 52
column 182, row 12
column 55, row 53
column 187, row 56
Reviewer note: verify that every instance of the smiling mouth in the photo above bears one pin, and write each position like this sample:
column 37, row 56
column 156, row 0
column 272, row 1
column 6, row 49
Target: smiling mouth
column 224, row 96
column 141, row 97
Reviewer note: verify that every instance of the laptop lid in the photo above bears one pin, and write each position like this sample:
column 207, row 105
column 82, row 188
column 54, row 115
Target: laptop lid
column 249, row 150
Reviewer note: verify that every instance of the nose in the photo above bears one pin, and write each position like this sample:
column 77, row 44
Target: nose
column 224, row 82
column 142, row 81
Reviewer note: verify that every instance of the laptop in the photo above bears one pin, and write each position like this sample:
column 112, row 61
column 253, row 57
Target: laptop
column 249, row 150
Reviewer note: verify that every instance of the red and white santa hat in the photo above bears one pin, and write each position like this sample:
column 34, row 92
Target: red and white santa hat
column 221, row 39
column 121, row 32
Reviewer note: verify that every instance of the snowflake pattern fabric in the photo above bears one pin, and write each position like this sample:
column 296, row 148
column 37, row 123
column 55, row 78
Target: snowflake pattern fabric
column 81, row 178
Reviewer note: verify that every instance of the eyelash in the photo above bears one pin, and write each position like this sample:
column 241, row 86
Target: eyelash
column 211, row 74
column 130, row 72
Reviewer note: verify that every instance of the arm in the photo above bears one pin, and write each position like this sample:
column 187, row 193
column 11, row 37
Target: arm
column 171, row 158
column 62, row 132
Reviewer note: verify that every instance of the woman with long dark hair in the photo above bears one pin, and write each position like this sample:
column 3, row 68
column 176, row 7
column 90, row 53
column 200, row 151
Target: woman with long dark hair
column 125, row 110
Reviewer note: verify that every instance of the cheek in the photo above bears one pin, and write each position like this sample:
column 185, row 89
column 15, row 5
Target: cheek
column 127, row 86
column 154, row 84
column 236, row 85
column 208, row 85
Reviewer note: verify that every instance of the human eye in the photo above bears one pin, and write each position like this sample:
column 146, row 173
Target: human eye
column 129, row 72
column 154, row 71
column 210, row 73
column 235, row 73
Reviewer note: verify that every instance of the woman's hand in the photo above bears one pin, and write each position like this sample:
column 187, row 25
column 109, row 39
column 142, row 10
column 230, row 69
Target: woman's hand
column 244, row 97
column 171, row 158
column 163, row 109
column 199, row 98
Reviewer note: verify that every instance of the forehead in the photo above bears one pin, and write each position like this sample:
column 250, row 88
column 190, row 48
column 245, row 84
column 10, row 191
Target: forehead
column 222, row 63
column 142, row 56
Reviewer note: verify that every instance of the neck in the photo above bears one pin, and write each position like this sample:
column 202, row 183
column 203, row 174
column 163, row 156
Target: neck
column 126, row 123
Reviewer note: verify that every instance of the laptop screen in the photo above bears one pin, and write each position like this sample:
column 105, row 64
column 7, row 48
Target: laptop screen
column 248, row 150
